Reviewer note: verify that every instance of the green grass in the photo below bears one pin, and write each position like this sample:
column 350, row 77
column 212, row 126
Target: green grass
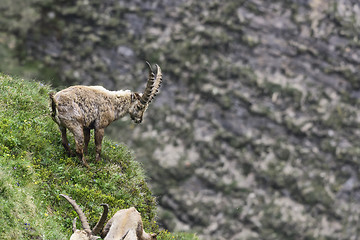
column 34, row 170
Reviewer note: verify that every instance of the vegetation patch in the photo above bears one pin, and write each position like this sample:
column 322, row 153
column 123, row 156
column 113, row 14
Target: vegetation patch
column 34, row 170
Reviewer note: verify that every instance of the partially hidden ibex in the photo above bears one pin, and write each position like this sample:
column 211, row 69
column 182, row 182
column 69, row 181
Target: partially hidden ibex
column 126, row 224
column 82, row 108
column 86, row 233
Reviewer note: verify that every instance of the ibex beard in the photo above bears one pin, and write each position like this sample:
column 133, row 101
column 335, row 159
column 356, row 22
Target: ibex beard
column 82, row 108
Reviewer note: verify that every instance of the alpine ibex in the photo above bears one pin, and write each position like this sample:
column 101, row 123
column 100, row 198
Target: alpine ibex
column 82, row 108
column 126, row 224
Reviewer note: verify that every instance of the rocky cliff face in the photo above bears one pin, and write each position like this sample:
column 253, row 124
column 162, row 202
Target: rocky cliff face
column 255, row 134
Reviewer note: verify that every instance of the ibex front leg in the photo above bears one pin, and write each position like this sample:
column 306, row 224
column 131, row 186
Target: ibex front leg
column 79, row 141
column 64, row 140
column 99, row 134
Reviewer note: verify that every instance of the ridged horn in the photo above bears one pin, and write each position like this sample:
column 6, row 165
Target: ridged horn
column 157, row 83
column 149, row 86
column 84, row 222
column 99, row 226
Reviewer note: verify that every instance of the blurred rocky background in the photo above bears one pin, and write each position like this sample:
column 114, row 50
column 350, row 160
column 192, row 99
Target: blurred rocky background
column 255, row 134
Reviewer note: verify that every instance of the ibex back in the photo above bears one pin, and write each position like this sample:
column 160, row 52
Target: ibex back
column 82, row 108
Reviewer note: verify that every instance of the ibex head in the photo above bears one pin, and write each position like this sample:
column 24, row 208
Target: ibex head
column 86, row 233
column 141, row 101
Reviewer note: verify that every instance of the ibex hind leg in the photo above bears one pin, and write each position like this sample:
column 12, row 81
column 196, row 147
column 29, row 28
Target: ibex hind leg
column 86, row 139
column 79, row 142
column 64, row 141
column 99, row 134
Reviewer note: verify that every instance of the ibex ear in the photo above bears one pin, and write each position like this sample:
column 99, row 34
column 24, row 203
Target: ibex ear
column 74, row 225
column 135, row 96
column 95, row 238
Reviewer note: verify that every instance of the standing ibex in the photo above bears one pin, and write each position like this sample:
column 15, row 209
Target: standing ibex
column 81, row 108
column 126, row 224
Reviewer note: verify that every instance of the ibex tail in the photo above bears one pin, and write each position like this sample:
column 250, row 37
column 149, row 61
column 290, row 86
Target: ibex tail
column 53, row 106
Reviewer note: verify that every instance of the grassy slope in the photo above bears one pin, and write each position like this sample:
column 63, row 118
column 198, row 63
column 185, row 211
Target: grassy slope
column 34, row 170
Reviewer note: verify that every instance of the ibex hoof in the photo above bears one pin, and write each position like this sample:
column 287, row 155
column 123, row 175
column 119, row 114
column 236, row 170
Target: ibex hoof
column 86, row 165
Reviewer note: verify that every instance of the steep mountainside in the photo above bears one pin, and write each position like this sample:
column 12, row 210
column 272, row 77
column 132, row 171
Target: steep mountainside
column 255, row 132
column 34, row 170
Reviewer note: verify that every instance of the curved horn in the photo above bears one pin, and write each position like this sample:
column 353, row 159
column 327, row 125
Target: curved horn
column 99, row 226
column 84, row 222
column 157, row 83
column 149, row 86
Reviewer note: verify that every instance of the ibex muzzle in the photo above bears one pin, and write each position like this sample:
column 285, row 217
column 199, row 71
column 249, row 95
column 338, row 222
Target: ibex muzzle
column 82, row 108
